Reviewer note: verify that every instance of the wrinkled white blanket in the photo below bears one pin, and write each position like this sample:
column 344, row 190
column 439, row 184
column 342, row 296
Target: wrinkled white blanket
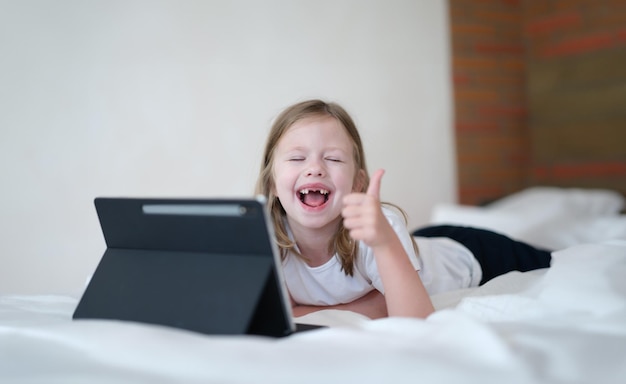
column 566, row 324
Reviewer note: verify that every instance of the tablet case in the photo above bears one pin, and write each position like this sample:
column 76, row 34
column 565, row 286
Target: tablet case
column 205, row 265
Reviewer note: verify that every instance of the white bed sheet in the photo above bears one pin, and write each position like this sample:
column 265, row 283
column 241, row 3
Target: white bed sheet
column 566, row 324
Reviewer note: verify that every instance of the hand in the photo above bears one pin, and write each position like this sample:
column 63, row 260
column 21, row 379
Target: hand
column 405, row 294
column 363, row 216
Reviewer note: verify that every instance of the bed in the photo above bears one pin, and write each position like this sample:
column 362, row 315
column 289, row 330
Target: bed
column 565, row 324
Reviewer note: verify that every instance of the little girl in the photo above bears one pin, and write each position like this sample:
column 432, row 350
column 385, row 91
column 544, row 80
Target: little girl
column 341, row 248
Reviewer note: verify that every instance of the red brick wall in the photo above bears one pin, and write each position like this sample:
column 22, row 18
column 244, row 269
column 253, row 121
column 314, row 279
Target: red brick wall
column 576, row 66
column 492, row 139
column 534, row 100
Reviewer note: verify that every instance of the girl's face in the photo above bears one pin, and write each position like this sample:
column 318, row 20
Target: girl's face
column 313, row 170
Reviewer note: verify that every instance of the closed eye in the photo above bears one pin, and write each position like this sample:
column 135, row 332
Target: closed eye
column 334, row 160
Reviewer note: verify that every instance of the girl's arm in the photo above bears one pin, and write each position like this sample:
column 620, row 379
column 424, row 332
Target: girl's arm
column 405, row 294
column 372, row 305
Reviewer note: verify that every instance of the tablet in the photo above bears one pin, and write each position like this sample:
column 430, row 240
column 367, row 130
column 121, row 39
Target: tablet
column 204, row 265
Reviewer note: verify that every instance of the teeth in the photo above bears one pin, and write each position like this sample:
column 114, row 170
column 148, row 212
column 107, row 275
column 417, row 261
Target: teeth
column 307, row 190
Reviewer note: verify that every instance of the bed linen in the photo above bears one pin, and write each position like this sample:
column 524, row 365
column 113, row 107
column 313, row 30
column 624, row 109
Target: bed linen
column 565, row 324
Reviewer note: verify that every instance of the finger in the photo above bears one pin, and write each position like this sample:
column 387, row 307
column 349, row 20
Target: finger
column 374, row 188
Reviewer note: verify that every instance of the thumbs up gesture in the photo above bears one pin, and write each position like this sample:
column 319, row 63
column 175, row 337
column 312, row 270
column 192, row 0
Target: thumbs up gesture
column 363, row 216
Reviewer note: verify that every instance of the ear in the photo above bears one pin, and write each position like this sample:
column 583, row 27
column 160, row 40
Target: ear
column 360, row 182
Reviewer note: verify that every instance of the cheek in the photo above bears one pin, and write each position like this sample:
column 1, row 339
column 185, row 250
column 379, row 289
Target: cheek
column 282, row 180
column 345, row 183
column 348, row 181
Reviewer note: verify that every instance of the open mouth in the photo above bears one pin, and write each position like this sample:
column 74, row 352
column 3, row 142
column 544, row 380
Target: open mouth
column 313, row 197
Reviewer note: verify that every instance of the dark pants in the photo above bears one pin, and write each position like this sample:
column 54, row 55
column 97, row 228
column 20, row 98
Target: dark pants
column 496, row 253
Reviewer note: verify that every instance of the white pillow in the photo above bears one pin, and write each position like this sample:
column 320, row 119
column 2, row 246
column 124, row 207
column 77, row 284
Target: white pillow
column 465, row 215
column 576, row 201
column 546, row 217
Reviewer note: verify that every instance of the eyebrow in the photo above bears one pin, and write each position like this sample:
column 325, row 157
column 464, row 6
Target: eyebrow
column 301, row 148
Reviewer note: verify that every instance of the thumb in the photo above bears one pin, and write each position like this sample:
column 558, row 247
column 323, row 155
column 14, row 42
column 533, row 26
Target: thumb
column 374, row 188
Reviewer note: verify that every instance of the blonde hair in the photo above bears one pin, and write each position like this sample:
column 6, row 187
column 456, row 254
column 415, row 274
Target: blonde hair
column 341, row 243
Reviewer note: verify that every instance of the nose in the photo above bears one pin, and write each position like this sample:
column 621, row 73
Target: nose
column 314, row 168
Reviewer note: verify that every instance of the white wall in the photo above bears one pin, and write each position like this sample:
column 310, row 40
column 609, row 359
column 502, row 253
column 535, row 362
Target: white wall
column 174, row 98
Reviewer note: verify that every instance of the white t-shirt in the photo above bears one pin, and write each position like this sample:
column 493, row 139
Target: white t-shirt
column 443, row 265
